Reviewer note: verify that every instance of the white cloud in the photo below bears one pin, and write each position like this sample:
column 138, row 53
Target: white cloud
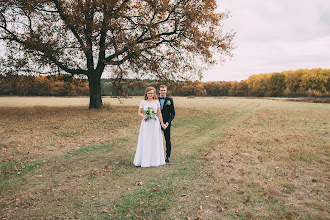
column 274, row 36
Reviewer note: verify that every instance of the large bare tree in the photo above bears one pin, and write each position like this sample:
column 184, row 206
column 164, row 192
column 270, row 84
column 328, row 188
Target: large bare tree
column 164, row 39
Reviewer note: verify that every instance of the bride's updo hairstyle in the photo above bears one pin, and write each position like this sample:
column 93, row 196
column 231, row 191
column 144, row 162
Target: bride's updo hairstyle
column 147, row 90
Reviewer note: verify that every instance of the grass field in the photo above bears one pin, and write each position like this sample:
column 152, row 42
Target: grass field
column 232, row 158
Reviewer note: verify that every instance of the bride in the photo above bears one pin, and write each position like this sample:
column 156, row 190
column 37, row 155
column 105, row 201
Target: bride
column 150, row 148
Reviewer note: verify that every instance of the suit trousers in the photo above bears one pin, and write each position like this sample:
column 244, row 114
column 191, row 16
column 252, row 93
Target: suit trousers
column 167, row 134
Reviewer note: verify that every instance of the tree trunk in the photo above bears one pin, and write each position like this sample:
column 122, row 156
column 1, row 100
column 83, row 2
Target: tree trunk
column 95, row 91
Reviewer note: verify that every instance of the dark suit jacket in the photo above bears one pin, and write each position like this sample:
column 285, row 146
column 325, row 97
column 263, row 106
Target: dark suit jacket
column 168, row 111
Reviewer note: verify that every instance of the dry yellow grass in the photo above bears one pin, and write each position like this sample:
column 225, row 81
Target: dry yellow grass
column 232, row 158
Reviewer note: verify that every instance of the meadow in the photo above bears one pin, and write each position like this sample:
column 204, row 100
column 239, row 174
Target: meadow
column 232, row 158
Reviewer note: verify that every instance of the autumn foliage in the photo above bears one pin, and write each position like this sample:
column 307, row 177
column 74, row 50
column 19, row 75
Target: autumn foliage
column 58, row 85
column 302, row 82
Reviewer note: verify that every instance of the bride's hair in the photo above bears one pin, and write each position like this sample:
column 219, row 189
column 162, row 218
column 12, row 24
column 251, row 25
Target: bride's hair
column 149, row 89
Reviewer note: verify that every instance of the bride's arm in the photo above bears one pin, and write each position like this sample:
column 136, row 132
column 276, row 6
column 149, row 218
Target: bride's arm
column 160, row 117
column 140, row 113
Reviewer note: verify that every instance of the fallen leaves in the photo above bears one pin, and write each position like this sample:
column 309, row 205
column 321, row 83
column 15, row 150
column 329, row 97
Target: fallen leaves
column 138, row 183
column 220, row 209
column 246, row 198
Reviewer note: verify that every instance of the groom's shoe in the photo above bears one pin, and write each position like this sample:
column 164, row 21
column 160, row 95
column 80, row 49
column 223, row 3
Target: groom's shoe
column 168, row 160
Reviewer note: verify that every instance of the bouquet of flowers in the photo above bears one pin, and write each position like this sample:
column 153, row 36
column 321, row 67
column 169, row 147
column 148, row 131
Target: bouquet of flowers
column 150, row 112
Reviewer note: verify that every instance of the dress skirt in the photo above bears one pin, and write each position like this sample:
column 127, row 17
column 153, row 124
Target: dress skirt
column 150, row 148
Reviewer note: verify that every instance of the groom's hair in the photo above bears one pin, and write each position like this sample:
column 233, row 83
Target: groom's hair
column 163, row 86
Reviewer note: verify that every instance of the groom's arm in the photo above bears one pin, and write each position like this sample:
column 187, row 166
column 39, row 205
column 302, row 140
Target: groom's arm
column 172, row 115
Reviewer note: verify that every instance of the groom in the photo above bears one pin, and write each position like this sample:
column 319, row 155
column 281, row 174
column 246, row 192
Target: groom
column 168, row 113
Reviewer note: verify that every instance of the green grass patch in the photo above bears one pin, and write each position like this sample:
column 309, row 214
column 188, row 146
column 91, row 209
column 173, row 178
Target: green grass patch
column 90, row 149
column 147, row 201
column 11, row 169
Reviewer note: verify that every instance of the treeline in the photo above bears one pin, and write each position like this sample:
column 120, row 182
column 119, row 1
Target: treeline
column 302, row 82
column 53, row 85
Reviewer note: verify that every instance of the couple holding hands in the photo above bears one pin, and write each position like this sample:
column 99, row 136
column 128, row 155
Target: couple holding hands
column 157, row 115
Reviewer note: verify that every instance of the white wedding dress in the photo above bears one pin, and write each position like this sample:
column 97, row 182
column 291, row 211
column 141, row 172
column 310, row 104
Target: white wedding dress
column 150, row 148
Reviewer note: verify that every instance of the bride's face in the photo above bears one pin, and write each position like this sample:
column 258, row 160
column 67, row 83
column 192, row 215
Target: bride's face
column 150, row 94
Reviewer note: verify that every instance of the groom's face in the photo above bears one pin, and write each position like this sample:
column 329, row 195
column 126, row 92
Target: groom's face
column 162, row 92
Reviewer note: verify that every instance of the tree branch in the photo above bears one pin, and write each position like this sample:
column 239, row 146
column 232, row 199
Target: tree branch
column 103, row 33
column 41, row 53
column 89, row 13
column 45, row 10
column 70, row 26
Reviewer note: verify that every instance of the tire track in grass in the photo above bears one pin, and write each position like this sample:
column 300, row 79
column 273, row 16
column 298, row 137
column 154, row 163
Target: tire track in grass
column 193, row 189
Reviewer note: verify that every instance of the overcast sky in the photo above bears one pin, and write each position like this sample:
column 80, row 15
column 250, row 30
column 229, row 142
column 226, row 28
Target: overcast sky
column 274, row 36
